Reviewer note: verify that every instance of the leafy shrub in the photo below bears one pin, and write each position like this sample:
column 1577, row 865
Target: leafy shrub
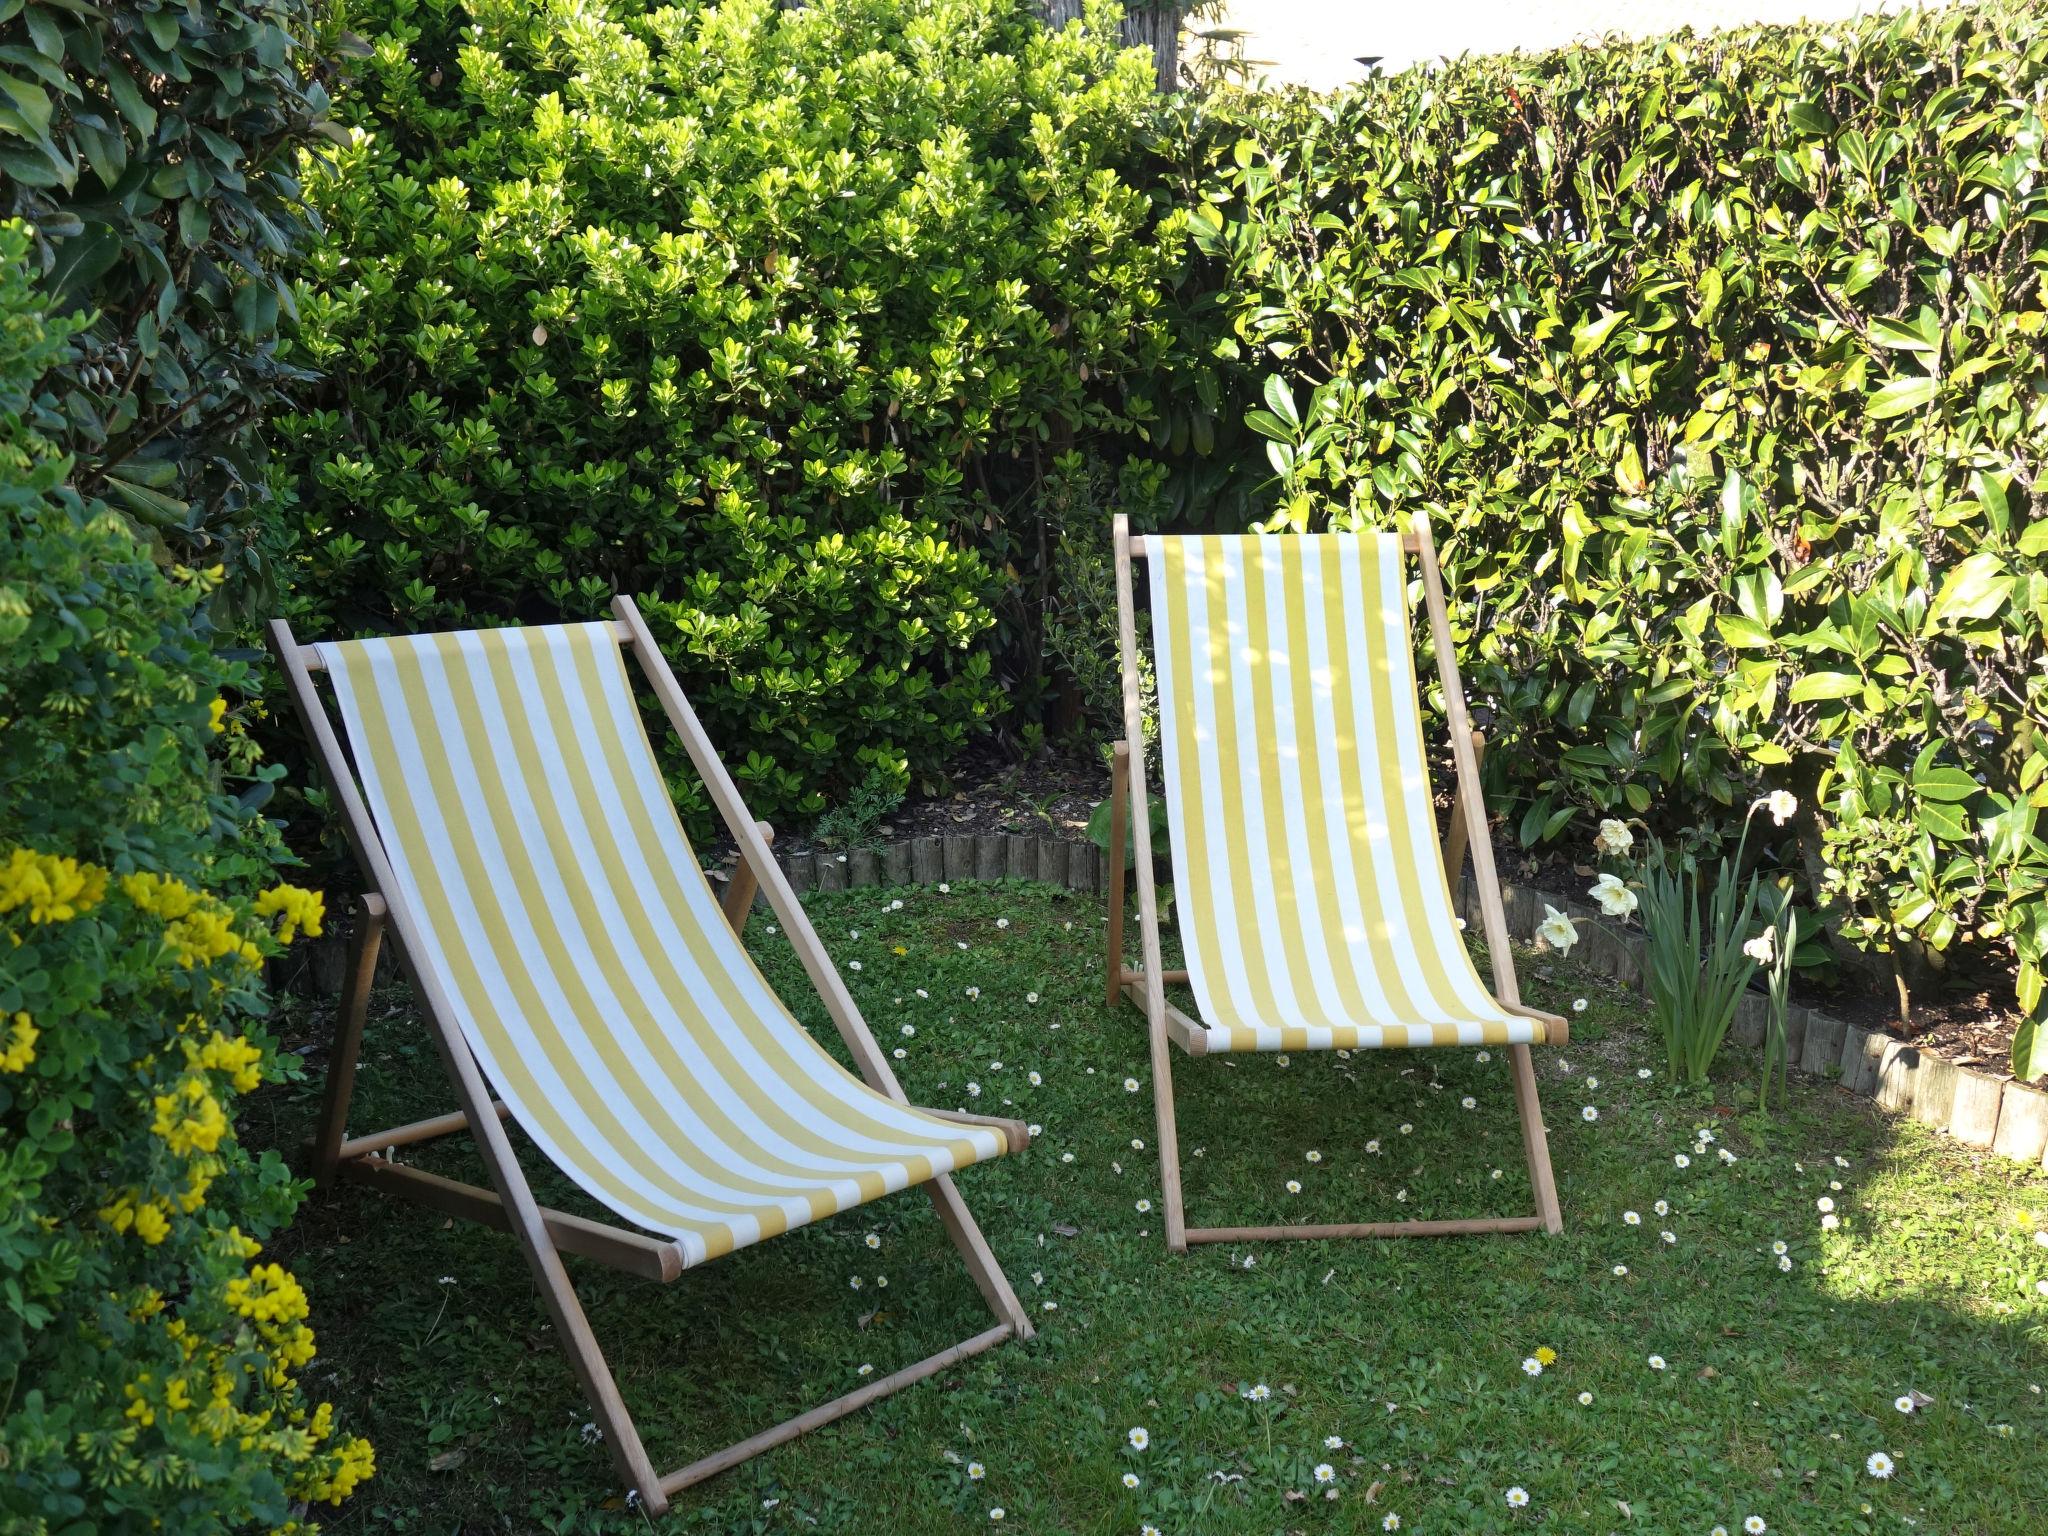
column 150, row 1366
column 1720, row 361
column 768, row 316
column 149, row 147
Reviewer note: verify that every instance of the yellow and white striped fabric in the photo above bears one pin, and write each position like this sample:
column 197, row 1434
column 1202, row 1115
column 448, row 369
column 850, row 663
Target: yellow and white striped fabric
column 588, row 963
column 1312, row 903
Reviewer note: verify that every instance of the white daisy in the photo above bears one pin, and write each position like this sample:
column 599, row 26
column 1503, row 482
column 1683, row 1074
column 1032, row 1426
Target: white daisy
column 1130, row 1085
column 1755, row 1525
column 1532, row 1366
column 1903, row 1404
column 1325, row 1473
column 1131, row 1479
column 976, row 1471
column 1631, row 1218
column 1682, row 1161
column 1585, row 1399
column 1656, row 1362
column 1589, row 1114
column 1139, row 1437
column 1878, row 1465
column 1518, row 1498
column 1258, row 1392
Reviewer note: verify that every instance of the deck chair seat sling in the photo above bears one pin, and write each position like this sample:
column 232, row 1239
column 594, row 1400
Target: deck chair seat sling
column 512, row 822
column 1313, row 895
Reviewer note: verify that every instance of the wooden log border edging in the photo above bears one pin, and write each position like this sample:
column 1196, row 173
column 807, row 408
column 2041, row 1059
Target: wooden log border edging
column 1975, row 1107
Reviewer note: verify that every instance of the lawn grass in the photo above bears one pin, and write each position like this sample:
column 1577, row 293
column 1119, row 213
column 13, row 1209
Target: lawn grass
column 1777, row 1384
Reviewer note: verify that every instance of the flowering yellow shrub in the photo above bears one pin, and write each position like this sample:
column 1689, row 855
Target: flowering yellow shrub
column 152, row 1349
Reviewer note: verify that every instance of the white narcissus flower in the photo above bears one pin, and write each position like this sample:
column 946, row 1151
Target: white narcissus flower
column 1556, row 930
column 1782, row 804
column 1763, row 949
column 1613, row 837
column 1614, row 896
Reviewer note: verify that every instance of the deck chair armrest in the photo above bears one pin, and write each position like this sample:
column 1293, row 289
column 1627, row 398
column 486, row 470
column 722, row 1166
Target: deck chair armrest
column 1017, row 1132
column 1556, row 1028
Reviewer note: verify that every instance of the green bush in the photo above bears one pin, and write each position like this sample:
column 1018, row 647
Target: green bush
column 148, row 1371
column 771, row 317
column 1719, row 362
column 149, row 146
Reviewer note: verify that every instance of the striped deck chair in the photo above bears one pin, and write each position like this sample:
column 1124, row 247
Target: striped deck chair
column 505, row 805
column 1312, row 895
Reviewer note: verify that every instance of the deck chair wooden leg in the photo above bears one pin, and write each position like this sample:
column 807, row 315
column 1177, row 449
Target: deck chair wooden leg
column 1119, row 781
column 1535, row 1144
column 1168, row 1136
column 348, row 1037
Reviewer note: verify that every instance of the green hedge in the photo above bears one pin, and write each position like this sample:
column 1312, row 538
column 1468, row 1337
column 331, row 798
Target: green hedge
column 149, row 1369
column 774, row 318
column 1720, row 361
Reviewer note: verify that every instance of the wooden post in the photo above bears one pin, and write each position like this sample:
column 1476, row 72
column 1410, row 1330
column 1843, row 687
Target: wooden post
column 363, row 945
column 1456, row 835
column 746, row 883
column 1155, row 26
column 1119, row 780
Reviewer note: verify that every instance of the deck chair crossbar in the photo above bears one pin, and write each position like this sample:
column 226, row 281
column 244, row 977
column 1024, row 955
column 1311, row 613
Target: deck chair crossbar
column 1145, row 984
column 544, row 1235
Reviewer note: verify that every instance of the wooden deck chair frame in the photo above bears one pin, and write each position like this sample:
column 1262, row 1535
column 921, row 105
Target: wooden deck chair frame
column 543, row 1234
column 1146, row 985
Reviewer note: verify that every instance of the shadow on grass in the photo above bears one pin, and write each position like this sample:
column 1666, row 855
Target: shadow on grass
column 1776, row 1384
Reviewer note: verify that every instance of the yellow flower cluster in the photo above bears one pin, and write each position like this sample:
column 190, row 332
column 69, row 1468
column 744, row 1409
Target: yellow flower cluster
column 301, row 909
column 229, row 1054
column 354, row 1462
column 189, row 1118
column 149, row 1220
column 270, row 1297
column 199, row 928
column 269, row 1293
column 18, row 1043
column 54, row 889
column 202, row 1393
